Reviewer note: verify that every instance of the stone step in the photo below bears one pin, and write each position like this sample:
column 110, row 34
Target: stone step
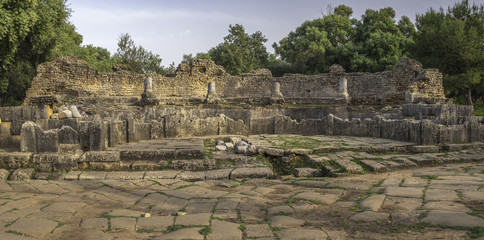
column 374, row 166
column 350, row 166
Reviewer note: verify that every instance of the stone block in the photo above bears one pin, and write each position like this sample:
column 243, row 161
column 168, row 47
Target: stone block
column 97, row 136
column 42, row 111
column 142, row 131
column 28, row 137
column 100, row 156
column 16, row 127
column 15, row 160
column 48, row 141
column 21, row 174
column 262, row 125
column 67, row 135
column 9, row 114
column 430, row 133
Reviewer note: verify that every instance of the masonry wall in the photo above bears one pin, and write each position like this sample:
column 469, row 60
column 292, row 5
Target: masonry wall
column 69, row 78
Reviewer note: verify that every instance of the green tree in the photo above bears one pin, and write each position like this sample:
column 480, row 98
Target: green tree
column 380, row 41
column 137, row 58
column 97, row 57
column 31, row 32
column 312, row 47
column 374, row 43
column 189, row 58
column 240, row 52
column 452, row 41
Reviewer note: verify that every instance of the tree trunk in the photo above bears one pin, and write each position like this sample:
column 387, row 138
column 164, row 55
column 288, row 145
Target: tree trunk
column 469, row 97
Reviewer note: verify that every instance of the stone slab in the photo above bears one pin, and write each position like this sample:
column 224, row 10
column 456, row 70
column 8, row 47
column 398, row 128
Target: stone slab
column 193, row 219
column 240, row 173
column 258, row 231
column 124, row 175
column 453, row 219
column 156, row 223
column 408, row 192
column 370, row 216
column 165, row 174
column 286, row 221
column 318, row 197
column 93, row 175
column 33, row 227
column 302, row 233
column 186, row 233
column 222, row 230
column 123, row 223
column 373, row 203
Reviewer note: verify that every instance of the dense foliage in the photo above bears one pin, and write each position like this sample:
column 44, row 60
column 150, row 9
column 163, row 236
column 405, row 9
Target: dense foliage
column 35, row 31
column 453, row 42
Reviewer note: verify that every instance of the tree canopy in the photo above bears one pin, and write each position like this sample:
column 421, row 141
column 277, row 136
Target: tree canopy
column 240, row 52
column 452, row 41
column 31, row 32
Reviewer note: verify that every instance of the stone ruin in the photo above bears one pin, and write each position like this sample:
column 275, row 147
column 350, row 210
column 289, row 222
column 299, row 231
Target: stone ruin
column 72, row 108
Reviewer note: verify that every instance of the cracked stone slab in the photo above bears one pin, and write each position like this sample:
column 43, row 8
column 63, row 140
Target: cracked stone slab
column 441, row 195
column 156, row 223
column 198, row 219
column 95, row 223
column 122, row 223
column 446, row 206
column 222, row 230
column 263, row 172
column 286, row 221
column 373, row 203
column 302, row 233
column 165, row 174
column 408, row 192
column 453, row 219
column 258, row 231
column 370, row 216
column 318, row 197
column 186, row 233
column 402, row 203
column 280, row 209
column 34, row 227
column 93, row 175
column 125, row 213
column 124, row 175
column 349, row 165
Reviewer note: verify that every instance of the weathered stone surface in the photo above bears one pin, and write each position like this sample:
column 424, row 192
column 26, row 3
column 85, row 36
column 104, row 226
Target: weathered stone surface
column 193, row 219
column 374, row 166
column 285, row 221
column 217, row 174
column 373, row 203
column 165, row 174
column 156, row 223
column 275, row 152
column 317, row 197
column 446, row 206
column 441, row 195
column 21, row 174
column 68, row 135
column 4, row 174
column 370, row 216
column 122, row 223
column 94, row 223
column 263, row 172
column 306, row 172
column 224, row 230
column 28, row 137
column 185, row 233
column 350, row 166
column 280, row 209
column 125, row 213
column 408, row 192
column 124, row 175
column 34, row 227
column 302, row 233
column 453, row 219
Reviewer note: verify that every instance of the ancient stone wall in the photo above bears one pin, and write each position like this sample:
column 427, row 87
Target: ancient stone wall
column 68, row 79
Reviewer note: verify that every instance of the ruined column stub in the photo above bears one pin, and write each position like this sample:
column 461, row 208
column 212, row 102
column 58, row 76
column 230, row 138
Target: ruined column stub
column 277, row 97
column 148, row 85
column 148, row 97
column 343, row 88
column 212, row 96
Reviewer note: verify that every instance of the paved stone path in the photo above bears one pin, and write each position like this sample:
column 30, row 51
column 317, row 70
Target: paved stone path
column 443, row 202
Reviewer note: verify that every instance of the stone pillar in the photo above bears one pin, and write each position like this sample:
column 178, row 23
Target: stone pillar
column 148, row 97
column 277, row 97
column 212, row 96
column 148, row 85
column 343, row 89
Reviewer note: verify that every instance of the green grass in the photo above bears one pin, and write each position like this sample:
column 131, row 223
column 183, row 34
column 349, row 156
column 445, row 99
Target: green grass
column 173, row 228
column 145, row 230
column 479, row 109
column 205, row 231
column 476, row 232
column 296, row 142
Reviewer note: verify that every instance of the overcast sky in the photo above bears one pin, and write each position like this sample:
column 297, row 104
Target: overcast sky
column 172, row 28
